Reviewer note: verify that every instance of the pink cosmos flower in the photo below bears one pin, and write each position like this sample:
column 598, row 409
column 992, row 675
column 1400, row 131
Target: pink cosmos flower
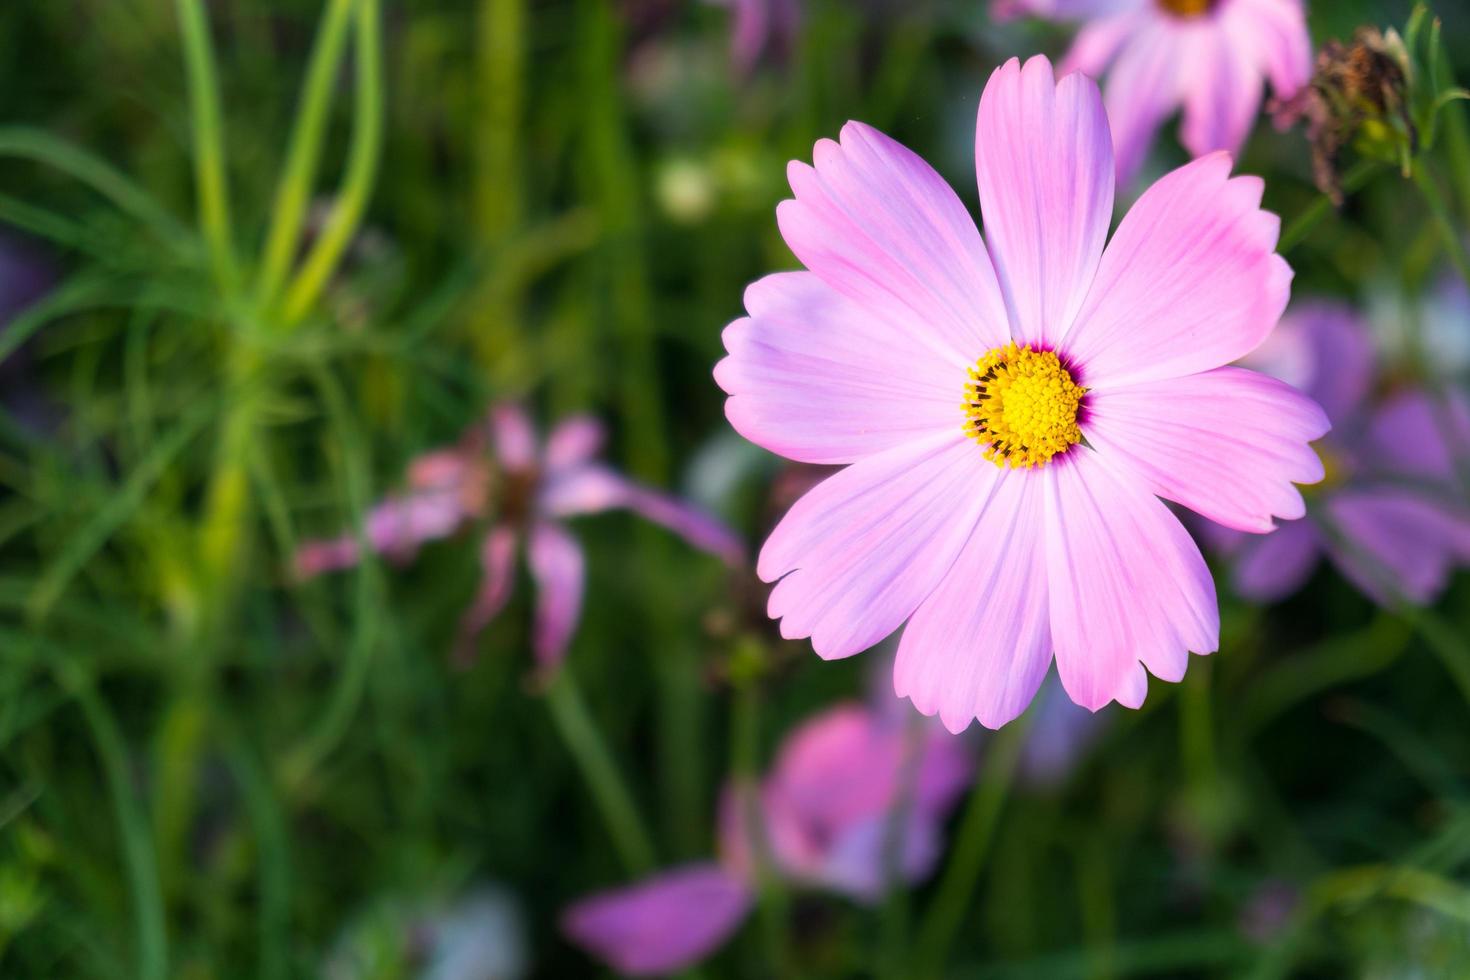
column 500, row 473
column 1211, row 57
column 1392, row 514
column 824, row 815
column 1011, row 415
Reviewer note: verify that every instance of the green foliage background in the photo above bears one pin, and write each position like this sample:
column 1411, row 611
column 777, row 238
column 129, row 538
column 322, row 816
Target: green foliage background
column 207, row 770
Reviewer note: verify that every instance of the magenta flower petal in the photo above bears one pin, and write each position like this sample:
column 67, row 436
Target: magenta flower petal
column 557, row 566
column 1223, row 87
column 662, row 925
column 1127, row 583
column 514, row 436
column 1325, row 350
column 1228, row 443
column 573, row 442
column 498, row 575
column 1275, row 31
column 856, row 861
column 817, row 378
column 862, row 549
column 1097, row 44
column 979, row 646
column 1417, row 434
column 878, row 225
column 1273, row 567
column 1044, row 159
column 589, row 489
column 1143, row 88
column 1396, row 542
column 1190, row 281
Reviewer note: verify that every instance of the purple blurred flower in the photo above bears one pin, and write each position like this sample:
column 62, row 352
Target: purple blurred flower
column 1061, row 733
column 824, row 813
column 1211, row 57
column 760, row 24
column 500, row 472
column 1391, row 514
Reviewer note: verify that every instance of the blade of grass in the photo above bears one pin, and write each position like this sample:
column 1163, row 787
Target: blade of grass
column 362, row 168
column 211, row 183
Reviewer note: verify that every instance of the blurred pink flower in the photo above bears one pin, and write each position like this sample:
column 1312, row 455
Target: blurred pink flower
column 1393, row 515
column 760, row 24
column 1211, row 57
column 824, row 816
column 1034, row 540
column 499, row 472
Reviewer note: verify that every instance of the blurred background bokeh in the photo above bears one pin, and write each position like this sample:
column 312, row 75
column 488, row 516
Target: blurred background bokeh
column 259, row 257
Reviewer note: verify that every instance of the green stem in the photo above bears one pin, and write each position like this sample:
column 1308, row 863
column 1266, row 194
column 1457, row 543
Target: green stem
column 138, row 851
column 773, row 905
column 1302, row 225
column 1448, row 233
column 294, row 191
column 589, row 750
column 209, row 153
column 895, row 923
column 499, row 62
column 957, row 886
column 362, row 170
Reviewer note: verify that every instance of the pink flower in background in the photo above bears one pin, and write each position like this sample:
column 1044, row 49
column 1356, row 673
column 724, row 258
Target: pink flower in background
column 760, row 24
column 1393, row 515
column 499, row 472
column 959, row 384
column 1210, row 57
column 824, row 812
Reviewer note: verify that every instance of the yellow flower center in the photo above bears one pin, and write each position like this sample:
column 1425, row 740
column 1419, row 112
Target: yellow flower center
column 1022, row 405
column 1187, row 8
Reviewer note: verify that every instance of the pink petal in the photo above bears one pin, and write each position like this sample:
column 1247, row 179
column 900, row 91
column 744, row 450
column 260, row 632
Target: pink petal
column 574, row 441
column 1395, row 543
column 514, row 436
column 1223, row 88
column 1061, row 732
column 878, row 225
column 856, row 862
column 1325, row 350
column 1190, row 281
column 324, row 555
column 1098, row 41
column 839, row 767
column 398, row 526
column 1142, row 89
column 497, row 568
column 1127, row 583
column 557, row 566
column 1273, row 567
column 1423, row 435
column 1045, row 164
column 980, row 644
column 815, row 377
column 662, row 925
column 861, row 550
column 1275, row 32
column 1228, row 444
column 589, row 489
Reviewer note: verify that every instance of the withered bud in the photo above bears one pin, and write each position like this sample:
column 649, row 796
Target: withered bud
column 1358, row 94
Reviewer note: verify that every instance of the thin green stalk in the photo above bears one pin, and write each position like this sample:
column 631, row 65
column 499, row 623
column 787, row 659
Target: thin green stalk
column 293, row 193
column 773, row 905
column 273, row 857
column 957, row 887
column 1302, row 225
column 1440, row 211
column 499, row 64
column 589, row 750
column 209, row 153
column 138, row 851
column 895, row 922
column 362, row 169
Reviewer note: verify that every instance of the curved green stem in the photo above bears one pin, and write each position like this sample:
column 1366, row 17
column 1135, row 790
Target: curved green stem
column 588, row 748
column 209, row 153
column 967, row 860
column 362, row 170
column 294, row 191
column 1302, row 225
column 1448, row 233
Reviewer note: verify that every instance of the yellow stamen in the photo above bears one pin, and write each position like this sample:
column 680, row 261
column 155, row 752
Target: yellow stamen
column 1187, row 8
column 1022, row 405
